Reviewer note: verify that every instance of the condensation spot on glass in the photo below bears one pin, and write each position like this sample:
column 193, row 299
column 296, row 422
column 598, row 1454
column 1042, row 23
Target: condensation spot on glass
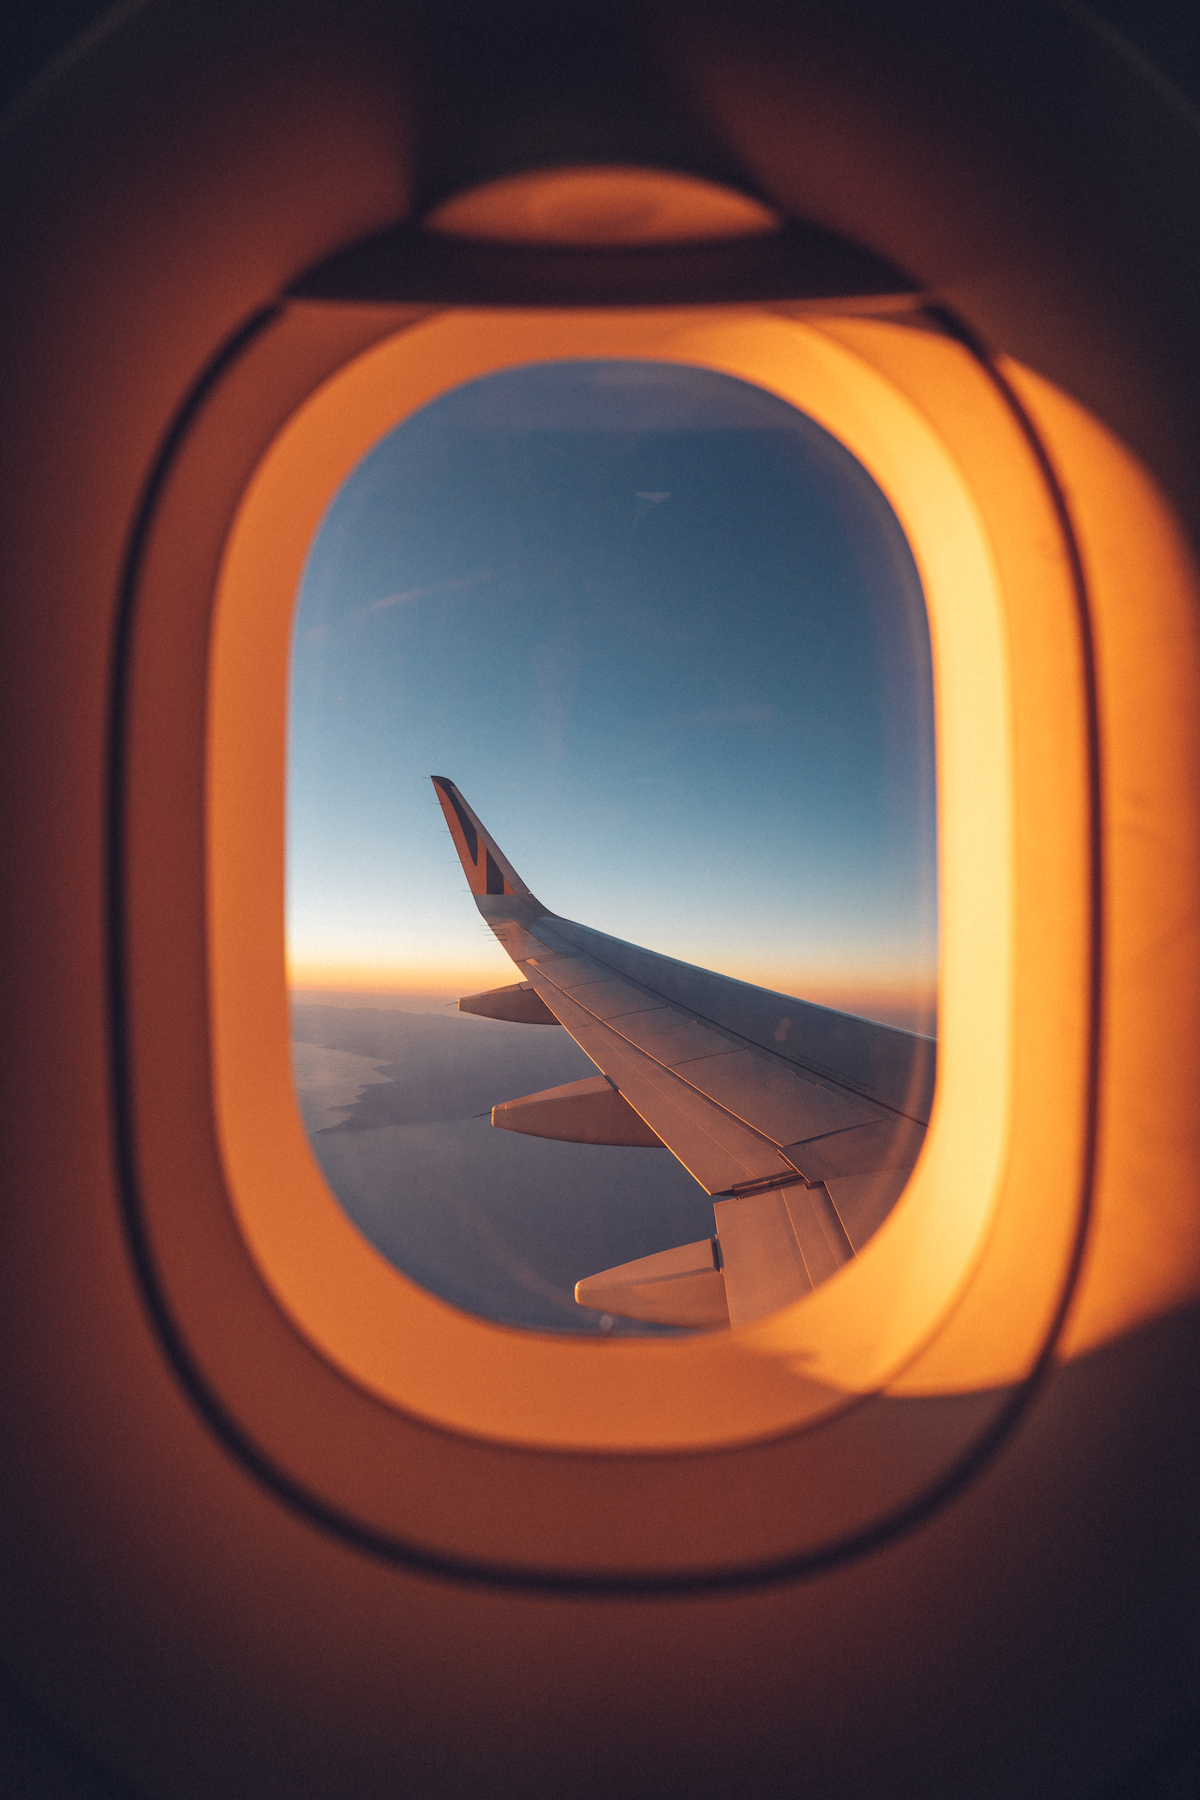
column 663, row 639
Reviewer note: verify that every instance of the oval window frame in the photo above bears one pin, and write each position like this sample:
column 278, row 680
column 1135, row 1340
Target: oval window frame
column 378, row 1327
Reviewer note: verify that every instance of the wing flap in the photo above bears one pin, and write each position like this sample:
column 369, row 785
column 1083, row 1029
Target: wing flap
column 776, row 1247
column 824, row 1242
column 764, row 1268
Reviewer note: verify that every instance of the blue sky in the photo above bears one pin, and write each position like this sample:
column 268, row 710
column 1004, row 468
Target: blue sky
column 667, row 637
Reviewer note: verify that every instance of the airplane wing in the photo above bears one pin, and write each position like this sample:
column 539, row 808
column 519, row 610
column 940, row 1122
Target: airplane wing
column 801, row 1122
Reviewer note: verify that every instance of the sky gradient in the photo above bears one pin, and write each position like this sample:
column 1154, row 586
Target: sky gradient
column 667, row 637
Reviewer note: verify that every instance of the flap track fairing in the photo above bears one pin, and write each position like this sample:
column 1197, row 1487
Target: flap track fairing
column 683, row 1286
column 591, row 1111
column 519, row 1004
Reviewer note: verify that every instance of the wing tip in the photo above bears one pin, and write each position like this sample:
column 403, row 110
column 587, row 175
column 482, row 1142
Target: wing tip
column 487, row 869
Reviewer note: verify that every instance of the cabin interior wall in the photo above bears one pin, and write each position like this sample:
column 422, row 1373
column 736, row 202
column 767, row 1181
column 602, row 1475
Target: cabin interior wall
column 180, row 1629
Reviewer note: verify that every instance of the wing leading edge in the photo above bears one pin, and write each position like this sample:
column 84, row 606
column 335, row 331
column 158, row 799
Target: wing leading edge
column 802, row 1123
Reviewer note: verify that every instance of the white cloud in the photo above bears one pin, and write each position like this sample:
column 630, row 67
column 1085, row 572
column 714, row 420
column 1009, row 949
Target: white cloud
column 454, row 584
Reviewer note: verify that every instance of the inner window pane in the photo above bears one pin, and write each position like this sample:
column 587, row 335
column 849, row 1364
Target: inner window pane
column 666, row 637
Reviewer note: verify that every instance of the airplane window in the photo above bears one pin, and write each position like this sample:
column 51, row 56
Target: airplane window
column 661, row 641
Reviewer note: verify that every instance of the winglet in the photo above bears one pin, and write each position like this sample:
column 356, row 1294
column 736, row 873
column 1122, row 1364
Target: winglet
column 487, row 869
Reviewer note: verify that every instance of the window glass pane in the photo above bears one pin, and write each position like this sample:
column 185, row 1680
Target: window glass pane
column 667, row 638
